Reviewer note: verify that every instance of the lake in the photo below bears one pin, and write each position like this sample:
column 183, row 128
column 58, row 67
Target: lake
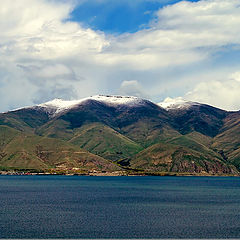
column 119, row 207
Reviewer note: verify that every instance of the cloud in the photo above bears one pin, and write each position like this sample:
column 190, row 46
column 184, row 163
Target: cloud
column 214, row 21
column 46, row 54
column 48, row 71
column 221, row 94
column 54, row 91
column 132, row 88
column 38, row 46
column 182, row 33
column 51, row 80
column 235, row 76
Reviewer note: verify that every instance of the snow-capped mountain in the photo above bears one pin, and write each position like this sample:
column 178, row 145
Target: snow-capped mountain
column 61, row 105
column 176, row 103
column 57, row 106
column 118, row 127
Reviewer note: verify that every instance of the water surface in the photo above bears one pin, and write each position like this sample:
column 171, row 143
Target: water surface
column 119, row 207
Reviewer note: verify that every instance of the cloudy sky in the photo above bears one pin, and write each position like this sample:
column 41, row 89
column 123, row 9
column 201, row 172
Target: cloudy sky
column 148, row 48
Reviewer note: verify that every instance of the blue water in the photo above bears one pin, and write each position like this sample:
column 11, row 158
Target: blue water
column 119, row 207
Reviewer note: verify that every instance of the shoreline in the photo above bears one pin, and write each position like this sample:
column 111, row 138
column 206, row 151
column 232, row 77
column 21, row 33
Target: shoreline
column 115, row 174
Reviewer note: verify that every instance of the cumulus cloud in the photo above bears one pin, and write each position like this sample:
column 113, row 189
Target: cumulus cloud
column 48, row 55
column 235, row 76
column 38, row 46
column 132, row 88
column 221, row 94
column 54, row 91
column 39, row 29
column 48, row 71
column 183, row 33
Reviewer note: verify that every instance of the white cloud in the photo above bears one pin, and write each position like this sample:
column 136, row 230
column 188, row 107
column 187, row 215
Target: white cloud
column 235, row 76
column 39, row 29
column 132, row 88
column 183, row 33
column 202, row 24
column 47, row 71
column 221, row 94
column 50, row 56
column 38, row 45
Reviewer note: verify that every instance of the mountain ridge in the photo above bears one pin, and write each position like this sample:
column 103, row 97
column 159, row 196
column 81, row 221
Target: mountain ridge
column 127, row 131
column 168, row 104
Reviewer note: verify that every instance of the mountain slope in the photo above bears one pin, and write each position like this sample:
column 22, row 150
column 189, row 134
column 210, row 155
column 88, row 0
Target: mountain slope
column 227, row 142
column 163, row 157
column 34, row 152
column 25, row 119
column 189, row 142
column 141, row 121
column 175, row 136
column 201, row 118
column 104, row 141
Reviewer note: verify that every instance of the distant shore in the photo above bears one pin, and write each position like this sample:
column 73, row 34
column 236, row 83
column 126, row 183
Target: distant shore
column 103, row 173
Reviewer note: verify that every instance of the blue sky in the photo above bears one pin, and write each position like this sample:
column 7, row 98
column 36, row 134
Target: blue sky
column 118, row 16
column 152, row 49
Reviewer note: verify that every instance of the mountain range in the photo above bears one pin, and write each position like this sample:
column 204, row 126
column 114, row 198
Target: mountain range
column 121, row 134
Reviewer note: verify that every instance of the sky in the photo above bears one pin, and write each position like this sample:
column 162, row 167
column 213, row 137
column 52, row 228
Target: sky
column 152, row 49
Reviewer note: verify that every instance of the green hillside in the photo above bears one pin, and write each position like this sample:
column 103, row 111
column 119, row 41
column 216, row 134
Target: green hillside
column 35, row 152
column 56, row 128
column 196, row 142
column 25, row 120
column 163, row 157
column 198, row 139
column 104, row 141
column 147, row 132
column 227, row 142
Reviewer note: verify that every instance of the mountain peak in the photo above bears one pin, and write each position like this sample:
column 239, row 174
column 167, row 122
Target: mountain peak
column 176, row 103
column 116, row 99
column 58, row 105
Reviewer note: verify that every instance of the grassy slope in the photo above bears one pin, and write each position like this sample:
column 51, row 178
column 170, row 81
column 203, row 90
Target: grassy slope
column 18, row 124
column 197, row 142
column 7, row 134
column 104, row 141
column 94, row 137
column 200, row 138
column 25, row 120
column 56, row 128
column 228, row 140
column 35, row 152
column 147, row 132
column 163, row 157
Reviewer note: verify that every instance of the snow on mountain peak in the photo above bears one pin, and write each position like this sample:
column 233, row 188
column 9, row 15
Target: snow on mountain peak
column 176, row 103
column 58, row 105
column 118, row 100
